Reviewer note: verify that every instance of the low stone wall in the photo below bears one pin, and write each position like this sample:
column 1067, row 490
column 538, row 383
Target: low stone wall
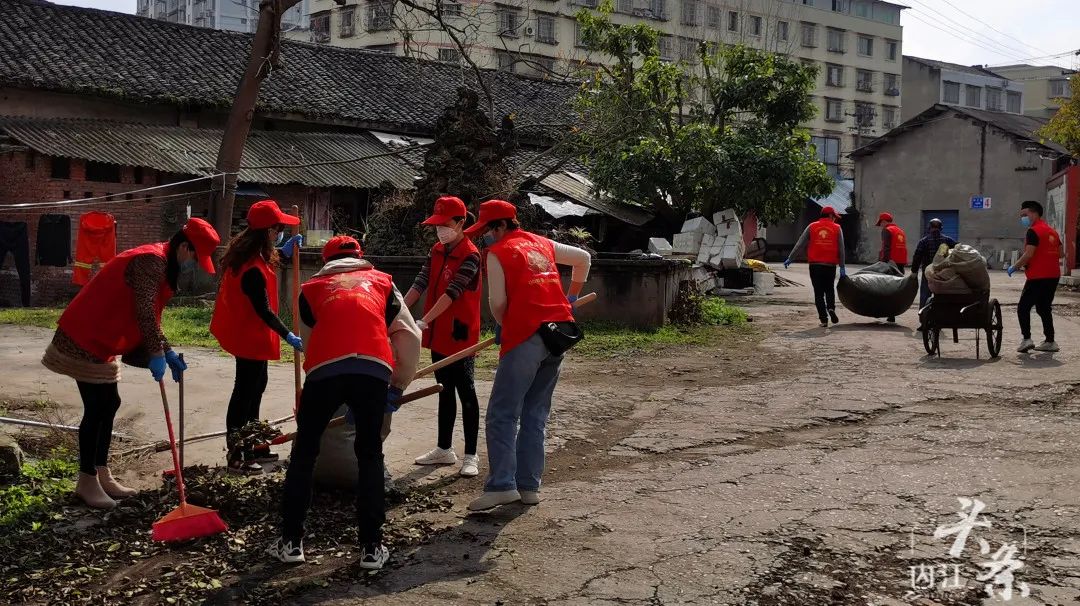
column 635, row 293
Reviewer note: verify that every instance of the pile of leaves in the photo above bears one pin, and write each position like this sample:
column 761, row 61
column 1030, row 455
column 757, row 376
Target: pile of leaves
column 79, row 556
column 254, row 433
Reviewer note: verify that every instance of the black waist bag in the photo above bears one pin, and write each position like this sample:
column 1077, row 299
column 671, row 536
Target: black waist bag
column 559, row 337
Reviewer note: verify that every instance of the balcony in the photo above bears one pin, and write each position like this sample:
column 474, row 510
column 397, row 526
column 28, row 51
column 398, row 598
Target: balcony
column 864, row 87
column 892, row 92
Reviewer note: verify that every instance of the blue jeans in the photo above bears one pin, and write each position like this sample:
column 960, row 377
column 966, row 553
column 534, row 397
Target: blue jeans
column 517, row 414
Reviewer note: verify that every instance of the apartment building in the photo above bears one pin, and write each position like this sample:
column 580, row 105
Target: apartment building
column 928, row 83
column 231, row 15
column 1046, row 85
column 856, row 44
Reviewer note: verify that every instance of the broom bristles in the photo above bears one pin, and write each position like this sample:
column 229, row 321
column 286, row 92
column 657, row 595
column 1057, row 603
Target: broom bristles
column 188, row 522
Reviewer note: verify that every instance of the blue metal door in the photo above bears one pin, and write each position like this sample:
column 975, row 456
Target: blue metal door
column 950, row 222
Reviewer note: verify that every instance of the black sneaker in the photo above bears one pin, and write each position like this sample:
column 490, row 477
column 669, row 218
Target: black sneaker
column 373, row 556
column 833, row 317
column 290, row 551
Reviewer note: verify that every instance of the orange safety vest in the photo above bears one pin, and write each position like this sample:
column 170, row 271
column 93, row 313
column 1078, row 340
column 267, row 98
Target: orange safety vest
column 1046, row 263
column 534, row 293
column 238, row 329
column 897, row 247
column 459, row 326
column 350, row 318
column 101, row 318
column 824, row 244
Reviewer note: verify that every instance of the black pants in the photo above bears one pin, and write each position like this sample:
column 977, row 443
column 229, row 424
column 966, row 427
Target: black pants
column 458, row 377
column 366, row 397
column 100, row 403
column 15, row 238
column 1040, row 295
column 248, row 388
column 823, row 278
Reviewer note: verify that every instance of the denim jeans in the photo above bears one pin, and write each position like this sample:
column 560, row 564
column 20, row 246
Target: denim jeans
column 517, row 414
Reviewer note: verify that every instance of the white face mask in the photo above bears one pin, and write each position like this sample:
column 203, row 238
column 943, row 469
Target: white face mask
column 445, row 234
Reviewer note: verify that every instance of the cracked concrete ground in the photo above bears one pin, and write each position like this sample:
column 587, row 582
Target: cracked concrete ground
column 809, row 466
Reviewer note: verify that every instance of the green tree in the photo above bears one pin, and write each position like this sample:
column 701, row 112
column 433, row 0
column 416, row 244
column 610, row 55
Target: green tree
column 722, row 133
column 1064, row 127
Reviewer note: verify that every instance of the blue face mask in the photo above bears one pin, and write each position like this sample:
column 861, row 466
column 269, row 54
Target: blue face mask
column 488, row 239
column 1025, row 221
column 280, row 238
column 188, row 265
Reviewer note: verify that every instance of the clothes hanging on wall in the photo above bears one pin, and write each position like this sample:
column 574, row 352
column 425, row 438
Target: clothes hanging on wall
column 54, row 240
column 96, row 241
column 15, row 238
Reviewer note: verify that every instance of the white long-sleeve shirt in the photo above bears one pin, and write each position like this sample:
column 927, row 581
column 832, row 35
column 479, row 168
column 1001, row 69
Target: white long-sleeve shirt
column 579, row 259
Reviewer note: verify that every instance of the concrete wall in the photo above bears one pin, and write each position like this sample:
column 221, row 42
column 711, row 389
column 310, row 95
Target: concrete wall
column 940, row 166
column 631, row 293
column 922, row 88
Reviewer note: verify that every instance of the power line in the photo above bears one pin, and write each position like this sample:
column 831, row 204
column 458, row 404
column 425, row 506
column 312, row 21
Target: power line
column 961, row 29
column 73, row 203
column 1047, row 57
column 960, row 36
column 957, row 9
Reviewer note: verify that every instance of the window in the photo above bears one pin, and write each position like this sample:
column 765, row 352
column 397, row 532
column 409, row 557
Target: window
column 625, row 7
column 509, row 21
column 809, row 35
column 839, row 6
column 347, row 27
column 864, row 114
column 389, row 49
column 733, row 21
column 585, row 3
column 866, row 46
column 755, row 25
column 834, row 74
column 449, row 55
column 579, row 40
column 688, row 50
column 1059, row 89
column 667, row 48
column 691, row 12
column 888, row 117
column 1014, row 103
column 972, row 96
column 713, row 13
column 506, row 61
column 993, row 99
column 862, row 9
column 452, row 9
column 102, row 173
column 864, row 80
column 892, row 85
column 834, row 110
column 782, row 31
column 320, row 27
column 545, row 29
column 137, row 175
column 61, row 168
column 380, row 15
column 658, row 9
column 544, row 66
column 951, row 93
column 836, row 40
column 892, row 48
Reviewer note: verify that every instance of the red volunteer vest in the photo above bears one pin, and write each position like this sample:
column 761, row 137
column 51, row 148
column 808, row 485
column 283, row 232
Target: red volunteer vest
column 459, row 326
column 898, row 245
column 824, row 244
column 1046, row 263
column 101, row 318
column 350, row 317
column 534, row 293
column 238, row 329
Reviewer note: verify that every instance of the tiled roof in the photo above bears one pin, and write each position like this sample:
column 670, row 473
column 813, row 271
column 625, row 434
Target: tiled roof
column 87, row 51
column 192, row 151
column 956, row 67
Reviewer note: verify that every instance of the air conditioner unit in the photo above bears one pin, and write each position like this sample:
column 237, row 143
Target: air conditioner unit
column 530, row 31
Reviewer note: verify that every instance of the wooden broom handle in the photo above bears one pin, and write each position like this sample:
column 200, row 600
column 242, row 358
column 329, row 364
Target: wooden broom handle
column 336, row 421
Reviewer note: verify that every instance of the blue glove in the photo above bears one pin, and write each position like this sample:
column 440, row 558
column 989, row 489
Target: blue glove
column 498, row 334
column 787, row 263
column 286, row 249
column 176, row 363
column 295, row 341
column 393, row 395
column 1011, row 270
column 572, row 299
column 157, row 367
column 843, row 272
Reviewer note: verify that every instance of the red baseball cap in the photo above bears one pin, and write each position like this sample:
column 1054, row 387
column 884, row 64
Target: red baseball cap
column 828, row 211
column 204, row 240
column 492, row 210
column 341, row 245
column 884, row 217
column 266, row 214
column 446, row 209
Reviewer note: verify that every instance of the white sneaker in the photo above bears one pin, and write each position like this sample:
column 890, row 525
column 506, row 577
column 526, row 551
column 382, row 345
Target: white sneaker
column 290, row 553
column 470, row 466
column 437, row 456
column 494, row 499
column 373, row 556
column 1025, row 346
column 1047, row 346
column 530, row 497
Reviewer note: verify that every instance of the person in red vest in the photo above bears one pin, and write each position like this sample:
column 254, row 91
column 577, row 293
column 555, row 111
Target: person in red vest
column 534, row 326
column 451, row 323
column 118, row 314
column 361, row 349
column 245, row 320
column 825, row 251
column 893, row 244
column 1041, row 263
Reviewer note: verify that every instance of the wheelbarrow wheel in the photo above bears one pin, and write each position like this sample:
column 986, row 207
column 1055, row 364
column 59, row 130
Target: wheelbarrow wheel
column 994, row 330
column 931, row 338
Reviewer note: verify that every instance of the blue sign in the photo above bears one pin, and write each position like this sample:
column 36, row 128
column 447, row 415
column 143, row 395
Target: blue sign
column 980, row 202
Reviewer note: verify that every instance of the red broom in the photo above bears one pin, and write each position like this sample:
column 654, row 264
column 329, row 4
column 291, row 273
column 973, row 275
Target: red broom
column 186, row 521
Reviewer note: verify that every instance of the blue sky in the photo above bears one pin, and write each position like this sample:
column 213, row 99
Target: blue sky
column 988, row 32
